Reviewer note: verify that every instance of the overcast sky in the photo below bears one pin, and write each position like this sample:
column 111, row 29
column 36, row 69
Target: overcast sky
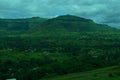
column 101, row 11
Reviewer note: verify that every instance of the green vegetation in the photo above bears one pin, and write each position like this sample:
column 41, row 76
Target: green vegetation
column 70, row 24
column 34, row 66
column 63, row 45
column 110, row 73
column 15, row 26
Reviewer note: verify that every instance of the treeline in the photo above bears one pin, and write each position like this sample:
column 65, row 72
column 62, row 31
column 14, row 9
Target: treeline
column 66, row 44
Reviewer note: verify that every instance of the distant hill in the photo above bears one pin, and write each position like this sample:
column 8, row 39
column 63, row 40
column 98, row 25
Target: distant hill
column 70, row 23
column 64, row 24
column 19, row 25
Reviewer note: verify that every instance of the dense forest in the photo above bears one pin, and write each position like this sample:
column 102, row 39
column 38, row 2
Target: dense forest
column 57, row 46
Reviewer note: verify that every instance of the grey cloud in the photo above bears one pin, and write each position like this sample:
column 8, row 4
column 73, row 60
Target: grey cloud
column 101, row 11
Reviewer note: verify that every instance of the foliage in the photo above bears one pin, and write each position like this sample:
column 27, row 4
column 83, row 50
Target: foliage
column 59, row 46
column 16, row 26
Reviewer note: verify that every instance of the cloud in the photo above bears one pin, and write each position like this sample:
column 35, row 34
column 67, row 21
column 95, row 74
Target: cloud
column 101, row 11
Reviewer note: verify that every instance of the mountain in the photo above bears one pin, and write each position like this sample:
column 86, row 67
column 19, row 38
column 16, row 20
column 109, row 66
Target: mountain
column 19, row 25
column 70, row 23
column 63, row 45
column 60, row 25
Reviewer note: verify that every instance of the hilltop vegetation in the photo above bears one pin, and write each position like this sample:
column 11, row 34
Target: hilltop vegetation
column 57, row 46
column 69, row 24
column 13, row 26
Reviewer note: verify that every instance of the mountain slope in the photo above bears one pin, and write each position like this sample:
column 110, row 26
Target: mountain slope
column 70, row 23
column 19, row 25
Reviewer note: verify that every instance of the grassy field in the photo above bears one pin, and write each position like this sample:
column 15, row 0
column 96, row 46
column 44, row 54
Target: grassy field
column 110, row 73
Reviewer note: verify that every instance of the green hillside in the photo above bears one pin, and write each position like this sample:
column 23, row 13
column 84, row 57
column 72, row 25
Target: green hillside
column 59, row 46
column 110, row 73
column 8, row 26
column 69, row 23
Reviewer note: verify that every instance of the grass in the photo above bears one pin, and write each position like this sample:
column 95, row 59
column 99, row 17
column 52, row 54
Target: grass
column 110, row 73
